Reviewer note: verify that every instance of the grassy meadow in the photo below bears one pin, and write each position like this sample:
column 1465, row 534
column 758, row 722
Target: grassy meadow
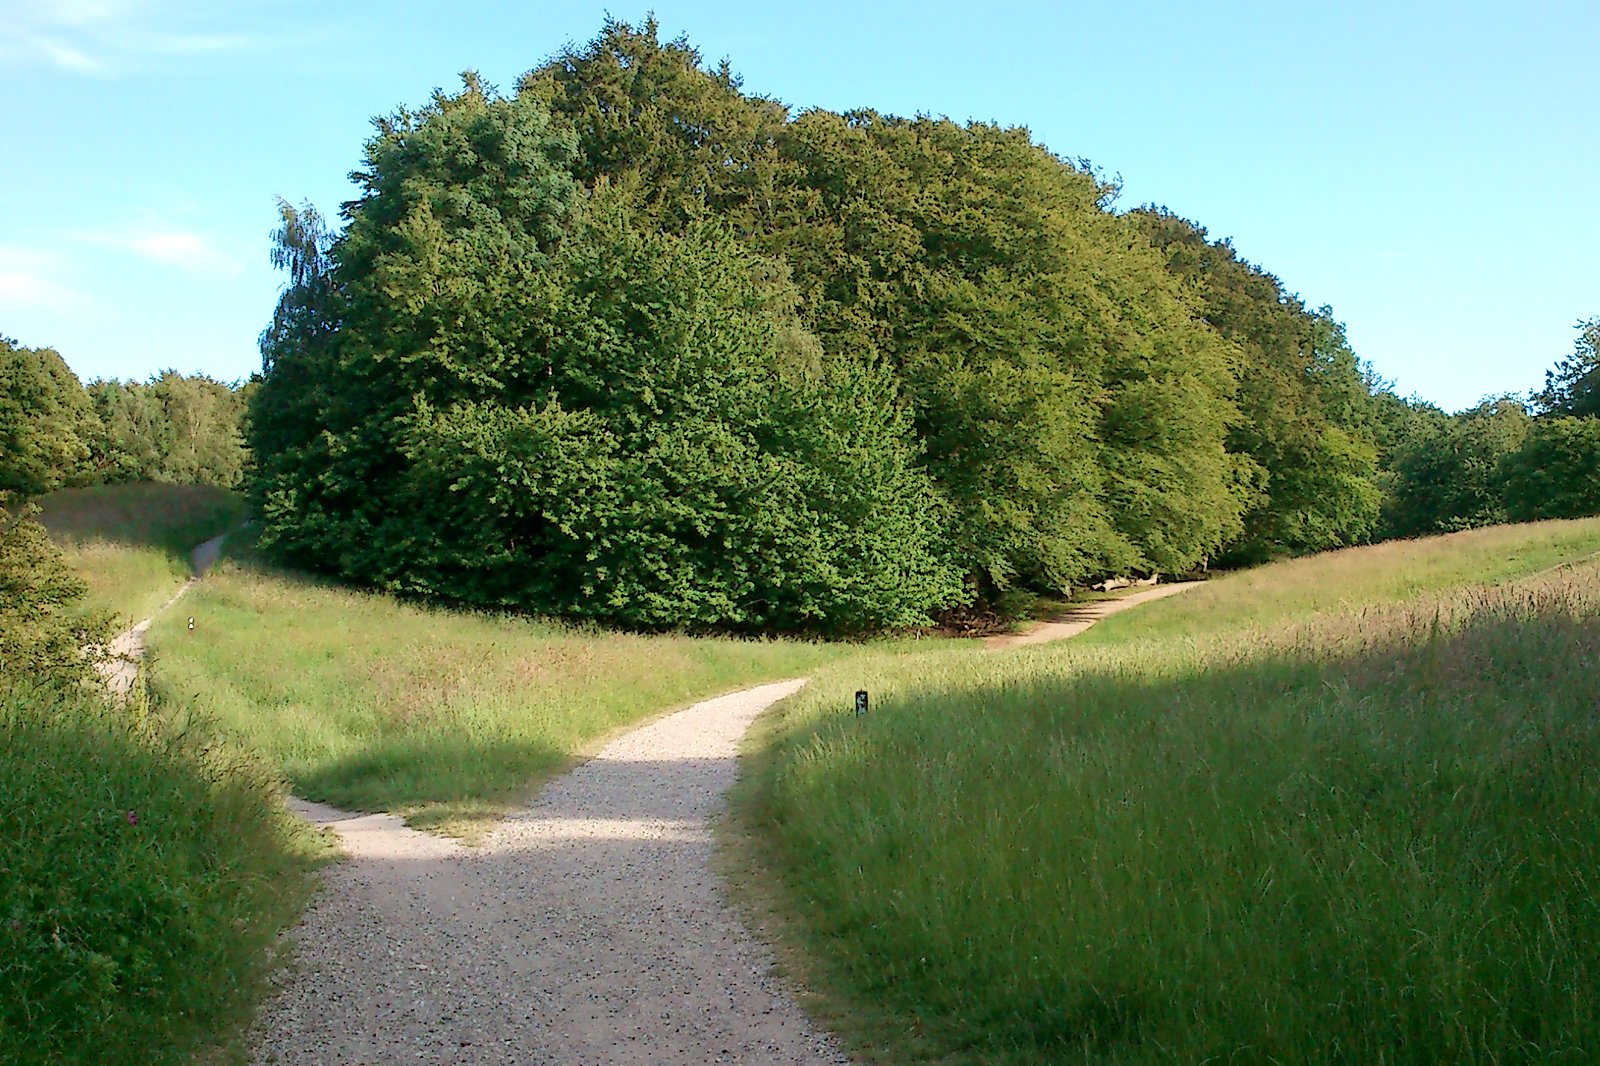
column 1342, row 809
column 447, row 717
column 131, row 543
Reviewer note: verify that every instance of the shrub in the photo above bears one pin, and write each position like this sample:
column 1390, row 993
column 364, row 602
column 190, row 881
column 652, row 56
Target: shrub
column 145, row 873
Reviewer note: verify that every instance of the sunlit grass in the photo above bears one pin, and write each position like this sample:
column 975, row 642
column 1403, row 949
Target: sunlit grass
column 447, row 717
column 1338, row 810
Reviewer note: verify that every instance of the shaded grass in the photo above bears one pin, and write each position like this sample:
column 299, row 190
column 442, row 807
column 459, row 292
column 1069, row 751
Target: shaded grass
column 1366, row 836
column 131, row 543
column 448, row 718
column 145, row 874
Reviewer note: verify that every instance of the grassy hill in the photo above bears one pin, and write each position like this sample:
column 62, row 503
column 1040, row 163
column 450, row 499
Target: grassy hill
column 1341, row 809
column 368, row 702
column 131, row 543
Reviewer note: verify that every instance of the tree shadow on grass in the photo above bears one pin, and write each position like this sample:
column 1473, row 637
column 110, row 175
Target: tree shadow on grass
column 172, row 518
column 1352, row 836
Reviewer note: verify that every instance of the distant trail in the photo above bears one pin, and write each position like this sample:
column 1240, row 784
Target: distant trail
column 588, row 928
column 121, row 668
column 1077, row 619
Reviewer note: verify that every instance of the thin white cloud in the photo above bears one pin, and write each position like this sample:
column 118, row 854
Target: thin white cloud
column 69, row 57
column 28, row 282
column 104, row 38
column 185, row 249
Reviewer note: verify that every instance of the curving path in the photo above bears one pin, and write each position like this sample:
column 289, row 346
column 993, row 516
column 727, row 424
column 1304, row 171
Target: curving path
column 1075, row 620
column 120, row 668
column 588, row 928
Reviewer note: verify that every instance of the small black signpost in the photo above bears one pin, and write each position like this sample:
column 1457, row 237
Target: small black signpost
column 861, row 703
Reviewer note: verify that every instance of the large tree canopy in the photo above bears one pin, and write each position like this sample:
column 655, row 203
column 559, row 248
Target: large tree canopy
column 1071, row 409
column 543, row 400
column 631, row 343
column 46, row 421
column 1305, row 415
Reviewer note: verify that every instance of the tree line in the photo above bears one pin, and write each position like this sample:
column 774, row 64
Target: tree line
column 630, row 343
column 1507, row 459
column 57, row 432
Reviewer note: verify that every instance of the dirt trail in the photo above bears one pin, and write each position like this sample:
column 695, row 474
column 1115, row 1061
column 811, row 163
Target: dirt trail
column 1075, row 621
column 588, row 928
column 121, row 668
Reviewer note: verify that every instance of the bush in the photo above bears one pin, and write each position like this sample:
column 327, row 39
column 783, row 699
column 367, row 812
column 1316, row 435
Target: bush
column 42, row 631
column 145, row 873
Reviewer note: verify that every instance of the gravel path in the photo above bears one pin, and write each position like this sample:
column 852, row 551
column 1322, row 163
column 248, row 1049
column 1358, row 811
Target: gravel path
column 588, row 928
column 1076, row 620
column 121, row 668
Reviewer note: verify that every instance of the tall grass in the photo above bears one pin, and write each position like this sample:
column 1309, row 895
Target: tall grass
column 449, row 718
column 131, row 543
column 1367, row 835
column 145, row 874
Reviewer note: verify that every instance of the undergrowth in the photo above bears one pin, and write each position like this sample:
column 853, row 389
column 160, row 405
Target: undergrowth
column 146, row 871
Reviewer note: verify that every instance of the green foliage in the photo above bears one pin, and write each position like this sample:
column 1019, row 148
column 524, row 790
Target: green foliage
column 1355, row 833
column 146, row 871
column 541, row 403
column 1556, row 471
column 1573, row 386
column 175, row 428
column 1019, row 318
column 1448, row 470
column 46, row 421
column 1305, row 413
column 1088, row 393
column 43, row 630
column 1070, row 408
column 135, row 432
column 680, row 143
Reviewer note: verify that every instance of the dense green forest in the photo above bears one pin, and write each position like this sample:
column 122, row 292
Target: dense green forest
column 630, row 343
column 56, row 432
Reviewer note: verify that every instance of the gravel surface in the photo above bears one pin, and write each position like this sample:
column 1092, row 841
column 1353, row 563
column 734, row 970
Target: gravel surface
column 1075, row 621
column 120, row 668
column 588, row 928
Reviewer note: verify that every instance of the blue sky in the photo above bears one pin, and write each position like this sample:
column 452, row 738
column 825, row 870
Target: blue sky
column 1429, row 170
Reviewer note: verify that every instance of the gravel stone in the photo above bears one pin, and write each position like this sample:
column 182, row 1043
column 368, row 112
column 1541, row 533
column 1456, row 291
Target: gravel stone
column 588, row 928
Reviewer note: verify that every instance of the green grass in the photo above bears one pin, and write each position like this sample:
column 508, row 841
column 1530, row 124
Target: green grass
column 1392, row 572
column 1338, row 810
column 145, row 875
column 131, row 543
column 449, row 718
